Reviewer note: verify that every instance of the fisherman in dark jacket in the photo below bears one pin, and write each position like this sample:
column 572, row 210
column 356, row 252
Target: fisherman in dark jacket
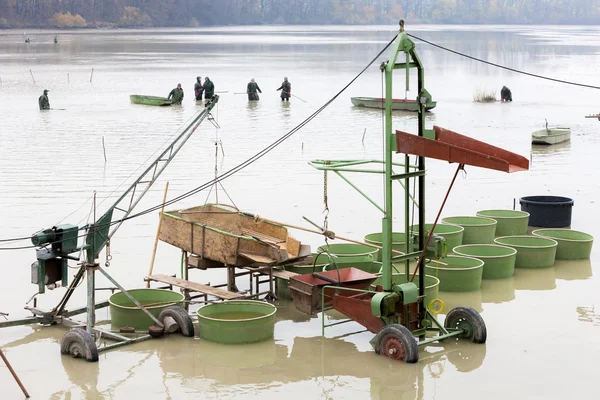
column 286, row 89
column 252, row 89
column 209, row 89
column 43, row 101
column 505, row 94
column 198, row 88
column 176, row 94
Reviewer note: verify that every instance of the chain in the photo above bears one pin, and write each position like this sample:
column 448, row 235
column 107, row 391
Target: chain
column 108, row 256
column 326, row 210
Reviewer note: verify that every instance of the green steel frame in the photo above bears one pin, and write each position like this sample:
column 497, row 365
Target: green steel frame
column 403, row 44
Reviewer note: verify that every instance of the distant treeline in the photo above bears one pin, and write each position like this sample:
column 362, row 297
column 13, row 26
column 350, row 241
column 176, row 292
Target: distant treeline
column 148, row 13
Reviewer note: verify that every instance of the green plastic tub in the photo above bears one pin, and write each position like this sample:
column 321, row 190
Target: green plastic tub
column 498, row 261
column 348, row 250
column 237, row 321
column 124, row 313
column 477, row 229
column 532, row 251
column 572, row 245
column 398, row 242
column 460, row 274
column 432, row 284
column 510, row 222
column 452, row 233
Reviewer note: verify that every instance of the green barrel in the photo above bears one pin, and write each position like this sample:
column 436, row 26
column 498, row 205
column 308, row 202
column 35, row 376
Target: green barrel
column 237, row 321
column 572, row 245
column 532, row 251
column 124, row 313
column 498, row 261
column 398, row 242
column 477, row 229
column 452, row 233
column 510, row 222
column 432, row 284
column 460, row 274
column 348, row 250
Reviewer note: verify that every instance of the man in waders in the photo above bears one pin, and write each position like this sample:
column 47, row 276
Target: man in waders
column 252, row 89
column 176, row 94
column 209, row 89
column 505, row 94
column 198, row 88
column 43, row 101
column 286, row 90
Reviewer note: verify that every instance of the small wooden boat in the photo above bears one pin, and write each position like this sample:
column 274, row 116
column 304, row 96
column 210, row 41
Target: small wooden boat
column 397, row 104
column 150, row 100
column 551, row 135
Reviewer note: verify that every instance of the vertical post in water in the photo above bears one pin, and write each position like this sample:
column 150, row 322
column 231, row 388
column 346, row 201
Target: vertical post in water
column 68, row 78
column 92, row 75
column 90, row 270
column 32, row 76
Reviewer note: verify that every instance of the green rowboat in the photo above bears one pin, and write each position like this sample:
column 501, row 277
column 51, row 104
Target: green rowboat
column 150, row 100
column 397, row 104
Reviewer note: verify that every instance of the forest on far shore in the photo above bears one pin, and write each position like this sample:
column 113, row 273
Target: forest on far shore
column 198, row 13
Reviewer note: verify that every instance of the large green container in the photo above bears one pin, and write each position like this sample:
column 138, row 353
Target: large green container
column 460, row 274
column 348, row 250
column 432, row 284
column 237, row 321
column 532, row 251
column 572, row 245
column 498, row 261
column 124, row 313
column 510, row 222
column 477, row 229
column 452, row 233
column 398, row 242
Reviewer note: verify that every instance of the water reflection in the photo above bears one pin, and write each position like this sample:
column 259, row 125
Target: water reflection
column 498, row 290
column 452, row 300
column 535, row 278
column 542, row 150
column 588, row 314
column 570, row 270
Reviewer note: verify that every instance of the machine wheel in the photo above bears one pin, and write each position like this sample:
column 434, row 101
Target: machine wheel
column 184, row 321
column 79, row 344
column 469, row 321
column 397, row 342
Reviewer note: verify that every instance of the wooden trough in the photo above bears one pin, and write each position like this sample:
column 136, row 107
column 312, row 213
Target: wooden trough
column 229, row 237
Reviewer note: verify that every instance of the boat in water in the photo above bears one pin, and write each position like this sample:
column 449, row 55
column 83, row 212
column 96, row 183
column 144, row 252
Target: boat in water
column 549, row 136
column 397, row 104
column 150, row 100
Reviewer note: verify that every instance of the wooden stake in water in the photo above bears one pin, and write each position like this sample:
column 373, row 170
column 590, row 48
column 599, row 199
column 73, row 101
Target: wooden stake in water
column 364, row 133
column 14, row 374
column 32, row 76
column 104, row 148
column 68, row 78
column 92, row 75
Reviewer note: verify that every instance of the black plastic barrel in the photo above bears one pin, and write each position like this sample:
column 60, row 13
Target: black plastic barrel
column 548, row 211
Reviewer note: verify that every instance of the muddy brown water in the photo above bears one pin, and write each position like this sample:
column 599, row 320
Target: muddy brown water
column 543, row 329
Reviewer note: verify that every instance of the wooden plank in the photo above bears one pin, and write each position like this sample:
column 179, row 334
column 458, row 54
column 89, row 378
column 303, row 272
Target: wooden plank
column 258, row 258
column 262, row 236
column 195, row 287
column 283, row 274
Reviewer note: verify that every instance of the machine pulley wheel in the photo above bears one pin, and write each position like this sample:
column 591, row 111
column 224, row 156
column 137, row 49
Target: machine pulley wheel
column 397, row 342
column 79, row 344
column 469, row 321
column 181, row 317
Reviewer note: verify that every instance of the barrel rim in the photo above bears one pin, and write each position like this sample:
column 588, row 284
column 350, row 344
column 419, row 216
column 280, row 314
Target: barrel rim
column 261, row 303
column 513, row 251
column 494, row 222
column 134, row 307
column 442, row 268
column 524, row 246
column 564, row 201
column 591, row 237
column 367, row 240
column 375, row 250
column 524, row 214
column 462, row 228
column 426, row 275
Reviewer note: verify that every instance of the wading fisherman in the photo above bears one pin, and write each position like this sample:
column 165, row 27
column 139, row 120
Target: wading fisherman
column 286, row 89
column 251, row 90
column 176, row 94
column 198, row 88
column 209, row 89
column 43, row 101
column 505, row 94
column 55, row 39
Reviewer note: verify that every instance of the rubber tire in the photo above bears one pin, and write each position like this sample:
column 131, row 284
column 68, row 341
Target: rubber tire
column 403, row 335
column 463, row 314
column 80, row 340
column 186, row 326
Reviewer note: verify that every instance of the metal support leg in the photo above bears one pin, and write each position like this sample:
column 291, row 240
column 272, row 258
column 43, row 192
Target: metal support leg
column 91, row 297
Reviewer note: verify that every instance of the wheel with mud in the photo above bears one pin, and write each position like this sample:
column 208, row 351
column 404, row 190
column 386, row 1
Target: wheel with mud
column 181, row 317
column 469, row 321
column 79, row 344
column 397, row 342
